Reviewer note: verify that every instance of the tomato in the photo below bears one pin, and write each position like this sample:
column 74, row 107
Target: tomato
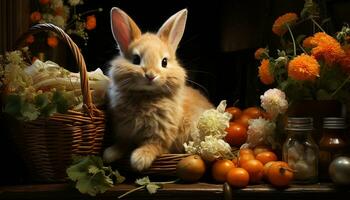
column 244, row 120
column 191, row 168
column 244, row 158
column 265, row 157
column 255, row 169
column 236, row 134
column 220, row 169
column 253, row 112
column 235, row 112
column 246, row 151
column 260, row 149
column 280, row 174
column 238, row 177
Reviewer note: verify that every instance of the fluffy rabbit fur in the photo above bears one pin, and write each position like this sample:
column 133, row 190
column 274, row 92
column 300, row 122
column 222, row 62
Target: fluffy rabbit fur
column 153, row 111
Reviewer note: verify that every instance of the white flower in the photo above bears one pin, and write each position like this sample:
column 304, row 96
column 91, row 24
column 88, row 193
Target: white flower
column 208, row 138
column 274, row 102
column 210, row 148
column 14, row 57
column 213, row 148
column 214, row 122
column 75, row 2
column 260, row 131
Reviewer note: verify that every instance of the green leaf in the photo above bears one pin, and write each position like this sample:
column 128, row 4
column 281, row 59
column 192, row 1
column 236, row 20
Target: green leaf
column 91, row 176
column 61, row 102
column 143, row 181
column 48, row 110
column 41, row 101
column 80, row 167
column 152, row 188
column 29, row 111
column 92, row 185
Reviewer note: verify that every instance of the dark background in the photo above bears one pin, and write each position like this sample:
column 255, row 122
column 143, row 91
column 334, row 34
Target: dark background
column 217, row 48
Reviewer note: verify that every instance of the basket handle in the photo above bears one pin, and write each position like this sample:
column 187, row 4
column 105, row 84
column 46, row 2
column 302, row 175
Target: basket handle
column 84, row 83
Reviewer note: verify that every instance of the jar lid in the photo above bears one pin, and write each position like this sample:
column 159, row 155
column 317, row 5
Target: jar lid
column 334, row 123
column 300, row 123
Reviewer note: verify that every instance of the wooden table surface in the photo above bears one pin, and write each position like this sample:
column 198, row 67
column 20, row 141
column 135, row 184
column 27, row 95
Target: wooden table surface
column 179, row 191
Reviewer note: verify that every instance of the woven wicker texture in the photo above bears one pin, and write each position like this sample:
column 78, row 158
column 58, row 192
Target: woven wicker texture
column 48, row 144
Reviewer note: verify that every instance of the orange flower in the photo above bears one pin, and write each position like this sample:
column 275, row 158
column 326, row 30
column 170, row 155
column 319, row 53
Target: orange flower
column 307, row 43
column 30, row 39
column 345, row 60
column 279, row 26
column 35, row 16
column 52, row 41
column 90, row 22
column 327, row 48
column 303, row 67
column 264, row 72
column 259, row 53
column 44, row 2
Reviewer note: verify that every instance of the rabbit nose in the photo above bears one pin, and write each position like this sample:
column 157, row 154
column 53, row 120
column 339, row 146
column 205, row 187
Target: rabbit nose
column 150, row 77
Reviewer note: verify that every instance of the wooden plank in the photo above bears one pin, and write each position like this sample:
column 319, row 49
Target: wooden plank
column 177, row 191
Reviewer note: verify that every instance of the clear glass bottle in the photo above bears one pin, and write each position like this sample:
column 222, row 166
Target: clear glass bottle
column 300, row 150
column 334, row 142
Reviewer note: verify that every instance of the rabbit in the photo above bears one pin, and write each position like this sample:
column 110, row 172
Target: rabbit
column 153, row 111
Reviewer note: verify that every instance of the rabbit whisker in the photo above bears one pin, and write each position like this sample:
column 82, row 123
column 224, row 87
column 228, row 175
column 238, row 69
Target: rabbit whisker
column 199, row 85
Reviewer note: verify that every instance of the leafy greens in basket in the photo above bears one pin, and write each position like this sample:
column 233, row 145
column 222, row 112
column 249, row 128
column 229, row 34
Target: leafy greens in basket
column 44, row 88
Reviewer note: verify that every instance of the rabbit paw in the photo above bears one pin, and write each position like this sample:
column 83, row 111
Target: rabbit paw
column 142, row 158
column 111, row 154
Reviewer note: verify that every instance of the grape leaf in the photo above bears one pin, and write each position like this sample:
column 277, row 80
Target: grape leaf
column 92, row 185
column 41, row 100
column 91, row 176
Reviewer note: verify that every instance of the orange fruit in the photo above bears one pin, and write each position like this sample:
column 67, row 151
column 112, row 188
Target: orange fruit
column 236, row 134
column 265, row 157
column 255, row 169
column 191, row 168
column 220, row 169
column 266, row 169
column 244, row 120
column 238, row 177
column 260, row 149
column 280, row 174
column 244, row 158
column 253, row 112
column 246, row 151
column 235, row 112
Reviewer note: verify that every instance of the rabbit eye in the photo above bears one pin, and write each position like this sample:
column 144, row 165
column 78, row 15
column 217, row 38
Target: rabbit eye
column 136, row 60
column 164, row 62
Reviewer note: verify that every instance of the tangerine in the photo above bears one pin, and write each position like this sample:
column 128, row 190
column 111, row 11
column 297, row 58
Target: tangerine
column 238, row 177
column 255, row 169
column 220, row 169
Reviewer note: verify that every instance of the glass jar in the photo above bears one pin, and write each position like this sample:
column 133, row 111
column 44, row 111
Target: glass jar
column 333, row 143
column 300, row 150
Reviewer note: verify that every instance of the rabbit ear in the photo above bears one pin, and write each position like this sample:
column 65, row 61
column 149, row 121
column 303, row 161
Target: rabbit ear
column 173, row 29
column 124, row 29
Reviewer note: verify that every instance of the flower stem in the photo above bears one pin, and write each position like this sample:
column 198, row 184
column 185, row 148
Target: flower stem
column 166, row 182
column 342, row 85
column 291, row 34
column 312, row 19
column 130, row 191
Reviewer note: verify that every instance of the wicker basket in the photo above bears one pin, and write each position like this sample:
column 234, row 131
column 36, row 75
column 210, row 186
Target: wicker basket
column 164, row 165
column 48, row 144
